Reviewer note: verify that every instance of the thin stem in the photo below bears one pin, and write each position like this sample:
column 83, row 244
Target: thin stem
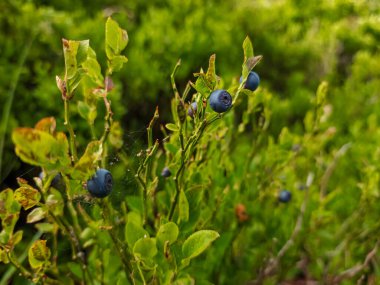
column 120, row 249
column 108, row 117
column 70, row 129
column 20, row 268
column 189, row 146
column 150, row 128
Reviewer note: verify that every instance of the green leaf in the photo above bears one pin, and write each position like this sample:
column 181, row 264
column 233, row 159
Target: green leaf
column 115, row 136
column 167, row 232
column 15, row 239
column 9, row 214
column 211, row 75
column 116, row 39
column 75, row 53
column 8, row 204
column 45, row 227
column 248, row 52
column 198, row 242
column 202, row 86
column 3, row 256
column 92, row 68
column 86, row 165
column 145, row 248
column 250, row 60
column 134, row 232
column 27, row 196
column 116, row 63
column 39, row 254
column 172, row 127
column 55, row 202
column 40, row 148
column 183, row 207
column 35, row 215
column 87, row 112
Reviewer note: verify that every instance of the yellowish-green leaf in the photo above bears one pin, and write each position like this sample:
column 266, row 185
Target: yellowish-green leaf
column 3, row 256
column 167, row 233
column 45, row 227
column 39, row 254
column 134, row 232
column 84, row 168
column 47, row 125
column 15, row 239
column 197, row 243
column 40, row 148
column 211, row 75
column 172, row 127
column 145, row 248
column 35, row 215
column 183, row 207
column 27, row 196
column 116, row 38
column 55, row 202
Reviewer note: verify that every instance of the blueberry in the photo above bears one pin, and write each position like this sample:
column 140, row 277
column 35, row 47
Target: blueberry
column 284, row 196
column 220, row 100
column 57, row 181
column 166, row 172
column 100, row 185
column 253, row 81
column 192, row 109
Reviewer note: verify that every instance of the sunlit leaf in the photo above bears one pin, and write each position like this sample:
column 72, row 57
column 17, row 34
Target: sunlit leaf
column 197, row 243
column 145, row 248
column 27, row 196
column 35, row 215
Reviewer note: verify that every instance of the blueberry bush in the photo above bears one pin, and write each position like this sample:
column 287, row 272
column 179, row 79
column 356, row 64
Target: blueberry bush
column 270, row 179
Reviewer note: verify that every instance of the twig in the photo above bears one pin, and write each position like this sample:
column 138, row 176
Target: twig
column 351, row 272
column 330, row 169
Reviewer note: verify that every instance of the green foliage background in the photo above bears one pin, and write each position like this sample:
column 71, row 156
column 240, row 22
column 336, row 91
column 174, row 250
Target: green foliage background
column 302, row 43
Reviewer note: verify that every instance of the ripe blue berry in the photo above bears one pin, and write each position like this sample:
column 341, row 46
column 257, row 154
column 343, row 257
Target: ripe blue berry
column 285, row 196
column 220, row 100
column 253, row 81
column 166, row 172
column 192, row 109
column 100, row 185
